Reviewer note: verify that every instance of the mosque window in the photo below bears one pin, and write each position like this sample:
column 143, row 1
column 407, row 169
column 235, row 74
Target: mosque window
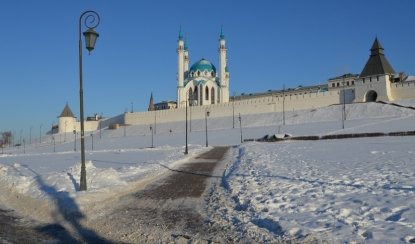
column 213, row 74
column 190, row 95
column 377, row 78
column 198, row 73
column 201, row 96
column 206, row 93
column 352, row 82
column 333, row 85
column 347, row 83
column 370, row 79
column 212, row 94
column 195, row 94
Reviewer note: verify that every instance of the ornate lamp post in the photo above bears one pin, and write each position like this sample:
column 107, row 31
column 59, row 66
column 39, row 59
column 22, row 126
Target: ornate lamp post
column 283, row 104
column 91, row 20
column 30, row 135
column 92, row 141
column 152, row 134
column 186, row 151
column 233, row 111
column 240, row 126
column 40, row 133
column 206, row 115
column 74, row 141
column 344, row 104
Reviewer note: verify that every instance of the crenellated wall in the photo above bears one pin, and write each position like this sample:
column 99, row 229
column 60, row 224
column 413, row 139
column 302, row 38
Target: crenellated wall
column 402, row 90
column 257, row 105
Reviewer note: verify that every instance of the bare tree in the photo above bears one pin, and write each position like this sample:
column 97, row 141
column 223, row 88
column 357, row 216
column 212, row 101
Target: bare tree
column 6, row 138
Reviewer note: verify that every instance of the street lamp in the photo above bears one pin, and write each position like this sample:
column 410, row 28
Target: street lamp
column 53, row 139
column 186, row 151
column 90, row 39
column 206, row 115
column 283, row 104
column 74, row 141
column 191, row 104
column 151, row 130
column 66, row 122
column 233, row 111
column 343, row 105
column 40, row 134
column 92, row 139
column 240, row 125
column 100, row 130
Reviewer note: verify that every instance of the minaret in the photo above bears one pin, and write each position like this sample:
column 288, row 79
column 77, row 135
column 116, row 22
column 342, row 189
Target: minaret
column 151, row 103
column 186, row 59
column 224, row 75
column 180, row 68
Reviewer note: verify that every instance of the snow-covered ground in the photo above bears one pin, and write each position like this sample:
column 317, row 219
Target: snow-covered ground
column 339, row 190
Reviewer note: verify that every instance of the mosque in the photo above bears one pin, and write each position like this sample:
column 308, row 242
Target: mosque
column 201, row 84
column 203, row 88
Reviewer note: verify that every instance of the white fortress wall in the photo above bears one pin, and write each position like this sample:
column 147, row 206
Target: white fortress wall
column 402, row 90
column 265, row 104
column 119, row 119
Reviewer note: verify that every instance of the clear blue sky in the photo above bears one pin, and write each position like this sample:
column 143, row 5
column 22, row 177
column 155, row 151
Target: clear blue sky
column 270, row 43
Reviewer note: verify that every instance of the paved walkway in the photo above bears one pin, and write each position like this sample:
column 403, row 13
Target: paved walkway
column 172, row 207
column 14, row 229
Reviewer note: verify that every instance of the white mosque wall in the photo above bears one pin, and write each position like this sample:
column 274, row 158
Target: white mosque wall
column 257, row 105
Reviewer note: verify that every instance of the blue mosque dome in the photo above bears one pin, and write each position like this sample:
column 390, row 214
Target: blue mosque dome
column 203, row 65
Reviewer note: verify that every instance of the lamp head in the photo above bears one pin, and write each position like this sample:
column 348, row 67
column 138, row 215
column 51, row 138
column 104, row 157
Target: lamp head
column 90, row 39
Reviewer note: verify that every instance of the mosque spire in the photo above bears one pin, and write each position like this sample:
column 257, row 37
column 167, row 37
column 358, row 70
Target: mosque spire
column 151, row 103
column 222, row 36
column 180, row 33
column 185, row 44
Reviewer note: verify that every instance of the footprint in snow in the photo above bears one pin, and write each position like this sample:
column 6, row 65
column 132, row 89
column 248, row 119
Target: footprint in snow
column 396, row 216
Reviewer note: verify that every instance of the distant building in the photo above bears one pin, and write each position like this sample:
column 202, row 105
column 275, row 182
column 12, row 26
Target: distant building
column 165, row 105
column 68, row 123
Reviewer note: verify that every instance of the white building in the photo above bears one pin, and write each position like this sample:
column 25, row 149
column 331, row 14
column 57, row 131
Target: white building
column 378, row 81
column 68, row 123
column 202, row 84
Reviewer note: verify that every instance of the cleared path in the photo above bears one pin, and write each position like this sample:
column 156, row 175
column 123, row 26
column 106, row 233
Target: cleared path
column 171, row 208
